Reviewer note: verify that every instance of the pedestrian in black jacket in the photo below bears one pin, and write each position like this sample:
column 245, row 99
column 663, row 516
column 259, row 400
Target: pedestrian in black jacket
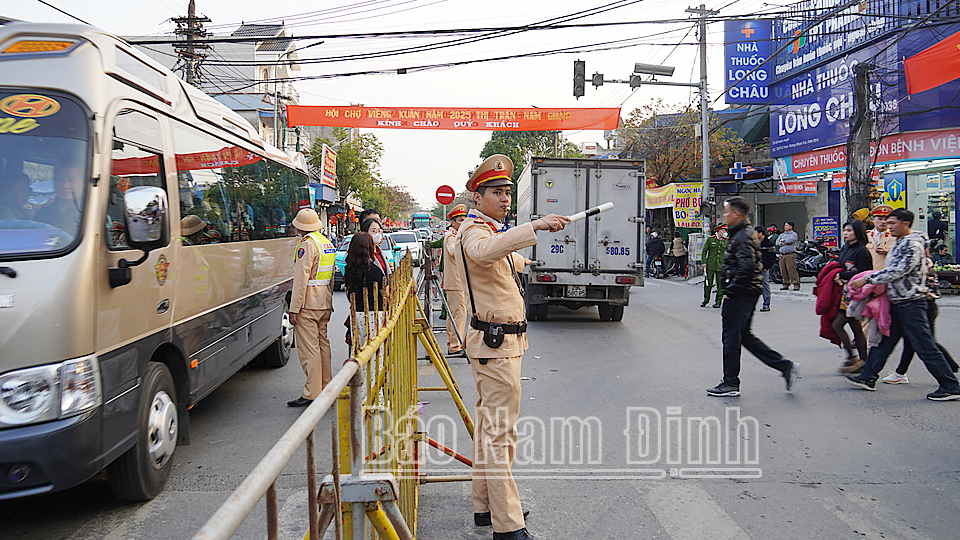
column 768, row 255
column 854, row 258
column 742, row 285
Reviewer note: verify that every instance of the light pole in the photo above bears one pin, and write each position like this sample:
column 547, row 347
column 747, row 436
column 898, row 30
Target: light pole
column 705, row 202
column 667, row 71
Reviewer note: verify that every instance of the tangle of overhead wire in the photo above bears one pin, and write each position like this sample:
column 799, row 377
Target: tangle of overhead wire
column 72, row 16
column 328, row 16
column 597, row 47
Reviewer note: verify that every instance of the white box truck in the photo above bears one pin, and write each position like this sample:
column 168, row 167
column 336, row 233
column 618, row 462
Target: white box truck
column 594, row 261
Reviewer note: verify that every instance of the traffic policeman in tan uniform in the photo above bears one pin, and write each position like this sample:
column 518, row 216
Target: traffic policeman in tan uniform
column 451, row 281
column 311, row 304
column 496, row 339
column 880, row 241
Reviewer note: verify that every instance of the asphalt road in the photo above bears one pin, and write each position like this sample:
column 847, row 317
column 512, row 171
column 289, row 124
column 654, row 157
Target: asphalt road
column 825, row 461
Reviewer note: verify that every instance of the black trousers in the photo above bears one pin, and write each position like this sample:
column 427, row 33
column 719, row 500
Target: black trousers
column 737, row 315
column 907, row 356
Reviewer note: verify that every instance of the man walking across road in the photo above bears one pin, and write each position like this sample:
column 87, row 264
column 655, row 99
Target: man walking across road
column 311, row 304
column 768, row 255
column 711, row 257
column 787, row 243
column 907, row 290
column 496, row 339
column 741, row 286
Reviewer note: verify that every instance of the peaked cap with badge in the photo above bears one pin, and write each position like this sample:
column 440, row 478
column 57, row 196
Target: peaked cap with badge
column 457, row 211
column 496, row 170
column 882, row 210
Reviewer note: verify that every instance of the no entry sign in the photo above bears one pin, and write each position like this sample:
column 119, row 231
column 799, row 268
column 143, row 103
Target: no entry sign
column 445, row 194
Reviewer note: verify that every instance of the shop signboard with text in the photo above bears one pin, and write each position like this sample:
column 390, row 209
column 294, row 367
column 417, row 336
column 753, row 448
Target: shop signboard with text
column 329, row 173
column 745, row 52
column 803, row 188
column 916, row 146
column 827, row 230
column 684, row 200
column 815, row 31
column 813, row 109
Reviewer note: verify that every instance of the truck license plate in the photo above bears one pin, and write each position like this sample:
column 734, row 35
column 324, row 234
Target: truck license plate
column 577, row 291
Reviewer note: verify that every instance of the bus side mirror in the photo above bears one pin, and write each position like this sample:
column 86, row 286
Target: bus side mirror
column 145, row 215
column 397, row 248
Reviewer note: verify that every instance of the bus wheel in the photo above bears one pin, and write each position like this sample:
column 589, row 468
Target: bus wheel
column 140, row 473
column 278, row 353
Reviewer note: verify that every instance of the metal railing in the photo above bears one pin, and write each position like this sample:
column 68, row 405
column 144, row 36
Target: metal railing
column 374, row 441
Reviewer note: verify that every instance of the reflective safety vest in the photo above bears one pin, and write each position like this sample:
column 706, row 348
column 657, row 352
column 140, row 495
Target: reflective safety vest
column 328, row 254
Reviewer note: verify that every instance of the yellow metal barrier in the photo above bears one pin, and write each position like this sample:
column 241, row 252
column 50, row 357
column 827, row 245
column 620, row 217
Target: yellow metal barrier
column 374, row 443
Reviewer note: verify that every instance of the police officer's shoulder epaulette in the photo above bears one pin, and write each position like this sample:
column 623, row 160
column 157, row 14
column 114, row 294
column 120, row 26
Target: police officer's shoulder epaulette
column 479, row 220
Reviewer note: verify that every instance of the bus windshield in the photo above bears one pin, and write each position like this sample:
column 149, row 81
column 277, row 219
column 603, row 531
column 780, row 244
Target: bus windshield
column 43, row 173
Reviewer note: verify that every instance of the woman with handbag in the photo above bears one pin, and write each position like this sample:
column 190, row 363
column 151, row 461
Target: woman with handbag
column 361, row 275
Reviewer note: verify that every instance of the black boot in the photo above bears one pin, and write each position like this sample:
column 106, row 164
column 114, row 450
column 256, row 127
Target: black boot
column 482, row 519
column 522, row 534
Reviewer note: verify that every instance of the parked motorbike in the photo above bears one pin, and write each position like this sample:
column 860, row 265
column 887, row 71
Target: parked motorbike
column 812, row 256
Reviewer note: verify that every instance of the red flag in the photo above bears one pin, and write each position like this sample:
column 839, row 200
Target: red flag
column 933, row 66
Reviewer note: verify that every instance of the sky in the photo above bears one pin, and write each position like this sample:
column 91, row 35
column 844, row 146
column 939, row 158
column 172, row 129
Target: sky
column 421, row 161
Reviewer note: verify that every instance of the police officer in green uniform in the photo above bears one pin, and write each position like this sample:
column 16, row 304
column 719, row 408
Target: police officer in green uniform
column 712, row 259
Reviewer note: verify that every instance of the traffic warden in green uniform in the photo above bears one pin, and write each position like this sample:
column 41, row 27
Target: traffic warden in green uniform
column 496, row 339
column 712, row 259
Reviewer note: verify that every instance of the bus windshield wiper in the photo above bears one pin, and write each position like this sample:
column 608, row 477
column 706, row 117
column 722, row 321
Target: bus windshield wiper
column 6, row 270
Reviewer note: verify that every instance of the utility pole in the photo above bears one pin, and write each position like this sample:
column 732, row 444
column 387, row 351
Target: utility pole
column 191, row 53
column 858, row 142
column 706, row 203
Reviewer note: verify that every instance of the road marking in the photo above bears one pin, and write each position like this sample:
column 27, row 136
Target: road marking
column 687, row 512
column 129, row 527
column 872, row 520
column 292, row 521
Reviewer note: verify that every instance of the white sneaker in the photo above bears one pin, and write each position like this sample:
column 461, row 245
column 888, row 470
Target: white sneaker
column 895, row 378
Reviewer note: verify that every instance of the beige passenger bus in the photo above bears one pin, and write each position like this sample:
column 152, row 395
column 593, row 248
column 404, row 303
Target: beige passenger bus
column 146, row 255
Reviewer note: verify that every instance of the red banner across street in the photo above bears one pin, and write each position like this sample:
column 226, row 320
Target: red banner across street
column 462, row 118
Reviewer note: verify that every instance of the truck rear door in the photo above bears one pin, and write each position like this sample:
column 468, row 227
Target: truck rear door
column 613, row 237
column 559, row 189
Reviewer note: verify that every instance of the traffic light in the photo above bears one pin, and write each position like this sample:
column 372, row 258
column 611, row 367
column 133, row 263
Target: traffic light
column 579, row 77
column 597, row 79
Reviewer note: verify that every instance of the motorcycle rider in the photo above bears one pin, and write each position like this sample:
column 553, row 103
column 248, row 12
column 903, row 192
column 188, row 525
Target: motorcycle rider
column 655, row 249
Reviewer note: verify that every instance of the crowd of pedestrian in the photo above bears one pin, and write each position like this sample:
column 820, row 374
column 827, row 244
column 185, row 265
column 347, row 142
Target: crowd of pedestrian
column 882, row 287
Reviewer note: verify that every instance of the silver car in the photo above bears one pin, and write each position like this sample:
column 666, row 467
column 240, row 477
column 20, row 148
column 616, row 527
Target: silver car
column 409, row 241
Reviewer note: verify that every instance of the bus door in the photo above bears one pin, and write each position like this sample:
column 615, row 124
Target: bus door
column 132, row 319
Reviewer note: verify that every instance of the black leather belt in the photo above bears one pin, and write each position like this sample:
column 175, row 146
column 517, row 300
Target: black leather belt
column 518, row 328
